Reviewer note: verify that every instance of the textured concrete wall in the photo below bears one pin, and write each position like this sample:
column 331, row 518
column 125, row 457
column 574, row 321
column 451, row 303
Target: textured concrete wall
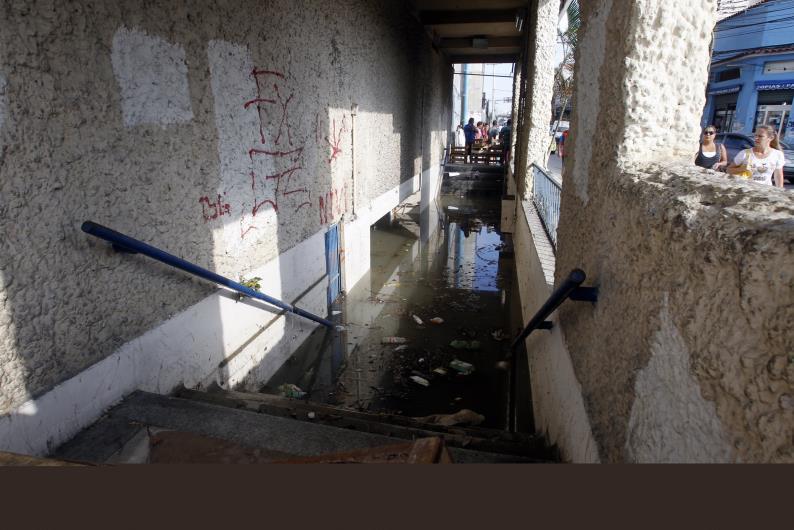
column 687, row 354
column 219, row 131
column 535, row 84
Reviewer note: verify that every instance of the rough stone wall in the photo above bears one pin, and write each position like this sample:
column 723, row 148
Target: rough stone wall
column 219, row 131
column 541, row 88
column 687, row 354
column 531, row 126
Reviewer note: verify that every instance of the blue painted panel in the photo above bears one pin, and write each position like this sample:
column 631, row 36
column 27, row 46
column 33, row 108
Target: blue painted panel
column 332, row 263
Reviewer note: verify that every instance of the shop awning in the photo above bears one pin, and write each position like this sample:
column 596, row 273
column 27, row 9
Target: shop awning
column 783, row 84
column 725, row 90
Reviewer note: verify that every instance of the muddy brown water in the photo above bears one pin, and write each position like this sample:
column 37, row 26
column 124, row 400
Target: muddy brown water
column 450, row 262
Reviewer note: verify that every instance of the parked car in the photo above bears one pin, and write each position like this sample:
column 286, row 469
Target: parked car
column 735, row 142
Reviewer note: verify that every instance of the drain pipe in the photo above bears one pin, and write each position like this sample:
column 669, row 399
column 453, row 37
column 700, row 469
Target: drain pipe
column 464, row 95
column 353, row 113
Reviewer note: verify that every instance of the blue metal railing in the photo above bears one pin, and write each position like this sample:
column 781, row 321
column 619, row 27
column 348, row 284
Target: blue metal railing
column 127, row 244
column 546, row 191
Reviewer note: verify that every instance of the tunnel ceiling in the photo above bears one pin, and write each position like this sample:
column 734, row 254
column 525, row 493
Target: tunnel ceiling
column 474, row 31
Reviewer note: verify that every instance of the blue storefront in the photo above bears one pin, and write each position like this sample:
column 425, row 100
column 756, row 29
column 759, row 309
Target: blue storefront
column 752, row 71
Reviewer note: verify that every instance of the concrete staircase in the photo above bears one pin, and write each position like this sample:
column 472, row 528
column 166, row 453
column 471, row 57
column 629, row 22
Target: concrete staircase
column 232, row 427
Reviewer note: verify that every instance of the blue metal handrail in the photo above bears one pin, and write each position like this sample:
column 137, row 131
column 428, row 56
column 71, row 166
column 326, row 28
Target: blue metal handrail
column 129, row 244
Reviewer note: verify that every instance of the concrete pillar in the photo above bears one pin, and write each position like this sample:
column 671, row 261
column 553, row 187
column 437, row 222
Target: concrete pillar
column 681, row 359
column 532, row 127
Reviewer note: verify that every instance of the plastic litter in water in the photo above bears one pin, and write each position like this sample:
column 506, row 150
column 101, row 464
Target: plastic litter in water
column 291, row 391
column 465, row 344
column 420, row 380
column 437, row 320
column 440, row 371
column 417, row 320
column 461, row 367
column 393, row 340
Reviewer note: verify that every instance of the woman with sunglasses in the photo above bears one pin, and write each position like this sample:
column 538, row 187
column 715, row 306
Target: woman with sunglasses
column 711, row 155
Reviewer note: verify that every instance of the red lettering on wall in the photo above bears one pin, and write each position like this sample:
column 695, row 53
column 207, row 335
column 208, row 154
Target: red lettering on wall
column 212, row 210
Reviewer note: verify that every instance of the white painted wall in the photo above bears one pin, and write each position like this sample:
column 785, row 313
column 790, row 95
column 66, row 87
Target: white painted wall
column 557, row 402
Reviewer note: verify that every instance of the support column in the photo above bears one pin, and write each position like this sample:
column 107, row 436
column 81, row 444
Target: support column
column 532, row 127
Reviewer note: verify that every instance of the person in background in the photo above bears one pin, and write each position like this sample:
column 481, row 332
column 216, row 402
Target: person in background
column 479, row 131
column 504, row 139
column 470, row 132
column 460, row 138
column 711, row 155
column 493, row 133
column 764, row 162
column 561, row 144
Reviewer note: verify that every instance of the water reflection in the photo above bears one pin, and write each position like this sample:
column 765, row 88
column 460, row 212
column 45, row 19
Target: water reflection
column 418, row 272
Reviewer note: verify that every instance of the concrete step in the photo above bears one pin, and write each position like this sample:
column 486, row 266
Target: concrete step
column 123, row 434
column 465, row 437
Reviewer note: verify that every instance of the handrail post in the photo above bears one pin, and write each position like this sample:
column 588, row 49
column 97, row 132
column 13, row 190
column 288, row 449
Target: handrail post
column 126, row 243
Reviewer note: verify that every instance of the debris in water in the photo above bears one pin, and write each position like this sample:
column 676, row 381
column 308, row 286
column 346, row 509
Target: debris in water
column 503, row 365
column 461, row 367
column 400, row 348
column 462, row 417
column 498, row 335
column 437, row 320
column 421, row 360
column 465, row 344
column 452, row 207
column 393, row 340
column 440, row 371
column 420, row 380
column 291, row 391
column 417, row 320
column 310, row 415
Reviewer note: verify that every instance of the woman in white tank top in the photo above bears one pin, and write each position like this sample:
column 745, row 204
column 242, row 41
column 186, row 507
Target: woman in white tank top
column 764, row 162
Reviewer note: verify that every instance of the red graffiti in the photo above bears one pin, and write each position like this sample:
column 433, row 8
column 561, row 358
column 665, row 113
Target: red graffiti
column 332, row 204
column 259, row 99
column 217, row 208
column 335, row 149
column 301, row 205
column 284, row 115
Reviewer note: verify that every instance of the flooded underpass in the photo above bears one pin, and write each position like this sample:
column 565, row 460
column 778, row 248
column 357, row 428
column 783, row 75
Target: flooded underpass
column 426, row 331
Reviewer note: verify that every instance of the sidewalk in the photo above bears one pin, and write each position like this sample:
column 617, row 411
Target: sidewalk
column 554, row 166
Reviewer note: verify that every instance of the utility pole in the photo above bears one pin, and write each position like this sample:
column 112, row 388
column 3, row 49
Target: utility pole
column 464, row 95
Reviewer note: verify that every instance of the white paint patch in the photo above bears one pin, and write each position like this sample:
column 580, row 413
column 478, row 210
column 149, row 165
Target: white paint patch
column 670, row 422
column 152, row 75
column 592, row 46
column 186, row 349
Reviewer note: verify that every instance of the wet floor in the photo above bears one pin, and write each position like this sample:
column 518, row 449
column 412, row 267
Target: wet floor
column 440, row 289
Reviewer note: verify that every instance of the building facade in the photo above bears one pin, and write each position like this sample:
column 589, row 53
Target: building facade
column 751, row 81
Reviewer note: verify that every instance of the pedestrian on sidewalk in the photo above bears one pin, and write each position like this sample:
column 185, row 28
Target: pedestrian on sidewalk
column 711, row 155
column 764, row 162
column 470, row 131
column 504, row 139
